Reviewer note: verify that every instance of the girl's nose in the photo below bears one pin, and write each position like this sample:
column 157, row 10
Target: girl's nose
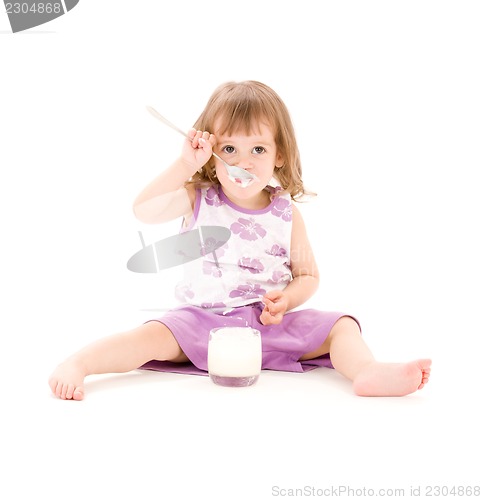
column 244, row 162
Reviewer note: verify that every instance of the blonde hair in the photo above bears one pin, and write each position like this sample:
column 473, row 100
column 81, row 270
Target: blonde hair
column 238, row 107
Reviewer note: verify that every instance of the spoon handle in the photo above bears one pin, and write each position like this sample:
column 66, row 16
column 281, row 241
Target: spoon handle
column 157, row 115
column 177, row 129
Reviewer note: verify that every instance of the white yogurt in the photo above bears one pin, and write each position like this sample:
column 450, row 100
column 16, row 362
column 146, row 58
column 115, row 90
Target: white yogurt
column 241, row 182
column 234, row 352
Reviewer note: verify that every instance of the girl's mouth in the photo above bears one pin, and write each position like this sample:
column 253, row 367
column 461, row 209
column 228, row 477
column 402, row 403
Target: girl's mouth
column 241, row 182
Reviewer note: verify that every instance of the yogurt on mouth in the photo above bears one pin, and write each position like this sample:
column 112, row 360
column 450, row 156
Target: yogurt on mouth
column 240, row 181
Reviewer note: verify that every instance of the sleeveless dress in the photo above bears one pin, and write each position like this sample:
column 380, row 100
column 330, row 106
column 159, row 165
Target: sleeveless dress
column 224, row 287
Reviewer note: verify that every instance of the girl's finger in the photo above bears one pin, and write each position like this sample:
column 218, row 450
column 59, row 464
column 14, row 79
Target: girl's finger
column 268, row 304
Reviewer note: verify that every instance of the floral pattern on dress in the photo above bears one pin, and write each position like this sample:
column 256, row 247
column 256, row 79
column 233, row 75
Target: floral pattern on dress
column 210, row 245
column 277, row 251
column 282, row 208
column 212, row 198
column 213, row 305
column 279, row 277
column 212, row 269
column 254, row 266
column 248, row 229
column 237, row 273
column 184, row 293
column 248, row 291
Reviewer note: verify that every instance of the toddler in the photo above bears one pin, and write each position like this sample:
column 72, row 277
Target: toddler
column 260, row 277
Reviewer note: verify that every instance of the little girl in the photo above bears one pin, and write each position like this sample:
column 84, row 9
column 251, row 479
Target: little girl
column 264, row 271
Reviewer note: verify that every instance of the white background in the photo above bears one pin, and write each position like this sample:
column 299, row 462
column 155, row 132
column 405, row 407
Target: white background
column 386, row 101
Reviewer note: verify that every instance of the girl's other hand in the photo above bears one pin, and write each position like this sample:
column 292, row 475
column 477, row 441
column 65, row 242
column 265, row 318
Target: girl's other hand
column 197, row 151
column 275, row 306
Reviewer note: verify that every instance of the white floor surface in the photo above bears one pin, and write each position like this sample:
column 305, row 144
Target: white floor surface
column 386, row 103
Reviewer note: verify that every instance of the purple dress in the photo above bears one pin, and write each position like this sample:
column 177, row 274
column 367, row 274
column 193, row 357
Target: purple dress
column 224, row 288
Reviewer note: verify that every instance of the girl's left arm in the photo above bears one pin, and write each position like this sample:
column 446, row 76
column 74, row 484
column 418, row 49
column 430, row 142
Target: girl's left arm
column 305, row 276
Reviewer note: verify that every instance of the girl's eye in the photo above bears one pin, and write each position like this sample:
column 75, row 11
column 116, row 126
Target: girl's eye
column 228, row 149
column 258, row 150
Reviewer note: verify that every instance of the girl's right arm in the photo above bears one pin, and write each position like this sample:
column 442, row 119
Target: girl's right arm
column 167, row 197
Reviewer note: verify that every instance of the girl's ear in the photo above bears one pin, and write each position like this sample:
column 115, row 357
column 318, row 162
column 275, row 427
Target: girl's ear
column 279, row 161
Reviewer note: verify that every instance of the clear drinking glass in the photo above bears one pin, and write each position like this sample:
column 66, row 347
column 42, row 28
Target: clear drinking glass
column 234, row 356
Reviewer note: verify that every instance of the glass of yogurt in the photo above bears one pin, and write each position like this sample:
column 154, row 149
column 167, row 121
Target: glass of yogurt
column 234, row 356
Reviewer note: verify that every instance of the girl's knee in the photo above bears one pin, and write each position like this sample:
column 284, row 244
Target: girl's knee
column 341, row 326
column 345, row 323
column 164, row 343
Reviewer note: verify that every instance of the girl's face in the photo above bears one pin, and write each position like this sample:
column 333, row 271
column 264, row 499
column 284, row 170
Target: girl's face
column 256, row 153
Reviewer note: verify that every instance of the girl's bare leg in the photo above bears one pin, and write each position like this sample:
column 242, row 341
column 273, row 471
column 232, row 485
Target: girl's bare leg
column 118, row 353
column 352, row 358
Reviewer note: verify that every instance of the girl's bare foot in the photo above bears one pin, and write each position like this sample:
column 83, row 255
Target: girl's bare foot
column 67, row 381
column 392, row 379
